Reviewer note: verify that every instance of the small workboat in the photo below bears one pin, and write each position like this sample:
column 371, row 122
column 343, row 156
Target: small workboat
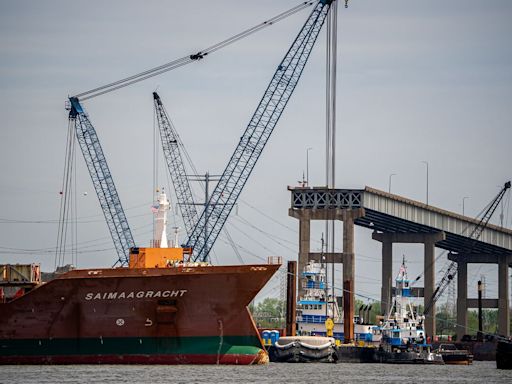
column 305, row 349
column 504, row 354
column 454, row 356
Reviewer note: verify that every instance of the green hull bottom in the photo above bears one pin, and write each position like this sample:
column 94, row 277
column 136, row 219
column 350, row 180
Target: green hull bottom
column 162, row 350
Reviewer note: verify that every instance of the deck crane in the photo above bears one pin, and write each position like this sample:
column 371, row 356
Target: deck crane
column 172, row 154
column 256, row 135
column 172, row 145
column 102, row 180
column 451, row 271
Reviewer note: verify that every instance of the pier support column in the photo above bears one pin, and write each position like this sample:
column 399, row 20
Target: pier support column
column 503, row 297
column 291, row 299
column 429, row 279
column 462, row 296
column 348, row 273
column 304, row 246
column 387, row 271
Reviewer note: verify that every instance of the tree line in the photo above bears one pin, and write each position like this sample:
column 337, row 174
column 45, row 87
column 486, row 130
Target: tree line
column 271, row 312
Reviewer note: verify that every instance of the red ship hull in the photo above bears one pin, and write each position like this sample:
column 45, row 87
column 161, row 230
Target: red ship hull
column 182, row 315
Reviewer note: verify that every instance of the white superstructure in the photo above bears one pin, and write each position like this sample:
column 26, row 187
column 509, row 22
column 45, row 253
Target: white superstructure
column 402, row 326
column 160, row 209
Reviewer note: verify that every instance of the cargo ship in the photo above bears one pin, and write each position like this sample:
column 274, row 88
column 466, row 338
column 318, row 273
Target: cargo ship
column 161, row 309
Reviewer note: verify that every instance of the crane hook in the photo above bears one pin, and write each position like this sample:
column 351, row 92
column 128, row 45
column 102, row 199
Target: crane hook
column 346, row 3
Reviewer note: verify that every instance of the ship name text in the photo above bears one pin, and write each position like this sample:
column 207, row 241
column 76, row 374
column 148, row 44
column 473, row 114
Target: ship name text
column 134, row 295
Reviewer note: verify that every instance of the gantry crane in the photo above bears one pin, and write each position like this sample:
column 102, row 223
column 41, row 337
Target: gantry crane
column 256, row 135
column 102, row 180
column 451, row 271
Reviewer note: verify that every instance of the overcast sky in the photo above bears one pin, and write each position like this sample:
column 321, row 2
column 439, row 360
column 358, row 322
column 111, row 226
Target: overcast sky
column 418, row 81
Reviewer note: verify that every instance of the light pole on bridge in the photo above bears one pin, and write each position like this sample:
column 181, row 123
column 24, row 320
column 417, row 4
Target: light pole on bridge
column 426, row 163
column 307, row 165
column 389, row 184
column 464, row 199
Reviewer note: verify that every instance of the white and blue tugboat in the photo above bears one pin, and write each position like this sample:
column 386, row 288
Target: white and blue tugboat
column 313, row 343
column 403, row 338
column 317, row 305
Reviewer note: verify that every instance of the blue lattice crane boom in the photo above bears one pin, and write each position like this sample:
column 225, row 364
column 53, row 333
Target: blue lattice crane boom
column 256, row 135
column 170, row 145
column 102, row 180
column 451, row 271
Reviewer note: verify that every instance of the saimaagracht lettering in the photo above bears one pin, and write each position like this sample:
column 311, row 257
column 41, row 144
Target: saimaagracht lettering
column 134, row 294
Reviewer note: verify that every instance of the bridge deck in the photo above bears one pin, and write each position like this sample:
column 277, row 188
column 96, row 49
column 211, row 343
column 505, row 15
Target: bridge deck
column 387, row 212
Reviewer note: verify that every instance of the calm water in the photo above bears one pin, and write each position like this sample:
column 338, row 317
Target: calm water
column 479, row 372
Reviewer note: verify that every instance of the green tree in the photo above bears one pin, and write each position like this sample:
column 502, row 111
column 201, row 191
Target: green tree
column 374, row 310
column 445, row 321
column 489, row 320
column 269, row 313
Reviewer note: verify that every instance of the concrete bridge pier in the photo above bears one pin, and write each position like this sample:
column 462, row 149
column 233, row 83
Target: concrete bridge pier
column 462, row 298
column 304, row 246
column 464, row 303
column 503, row 295
column 429, row 241
column 349, row 215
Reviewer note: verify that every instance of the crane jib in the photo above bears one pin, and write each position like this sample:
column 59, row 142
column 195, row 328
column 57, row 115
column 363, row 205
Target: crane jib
column 102, row 180
column 256, row 135
column 170, row 146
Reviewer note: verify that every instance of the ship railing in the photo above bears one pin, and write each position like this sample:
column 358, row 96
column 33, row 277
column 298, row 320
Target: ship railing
column 20, row 274
column 313, row 284
column 317, row 319
column 154, row 243
column 274, row 260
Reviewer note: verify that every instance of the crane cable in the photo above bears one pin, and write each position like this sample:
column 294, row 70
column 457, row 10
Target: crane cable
column 66, row 197
column 190, row 58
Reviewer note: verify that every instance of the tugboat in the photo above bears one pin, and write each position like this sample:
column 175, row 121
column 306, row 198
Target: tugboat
column 315, row 311
column 319, row 324
column 317, row 305
column 403, row 338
